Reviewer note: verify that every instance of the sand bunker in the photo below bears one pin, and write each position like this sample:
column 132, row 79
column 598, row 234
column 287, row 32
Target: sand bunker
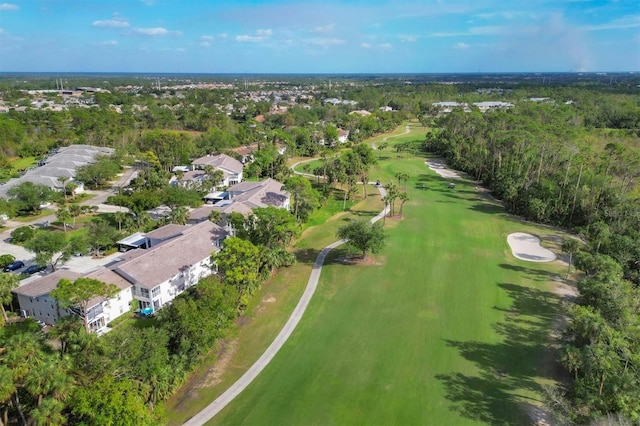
column 527, row 247
column 441, row 169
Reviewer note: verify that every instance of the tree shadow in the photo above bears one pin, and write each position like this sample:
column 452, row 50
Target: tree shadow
column 306, row 256
column 531, row 273
column 508, row 367
column 489, row 208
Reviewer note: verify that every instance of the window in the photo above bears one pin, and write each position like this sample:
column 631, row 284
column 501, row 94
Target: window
column 155, row 292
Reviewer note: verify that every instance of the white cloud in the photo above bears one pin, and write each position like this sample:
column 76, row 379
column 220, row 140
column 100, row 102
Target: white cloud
column 8, row 7
column 326, row 42
column 108, row 43
column 323, row 29
column 156, row 32
column 223, row 35
column 474, row 31
column 365, row 46
column 385, row 46
column 250, row 39
column 260, row 36
column 461, row 46
column 408, row 38
column 629, row 21
column 207, row 38
column 111, row 23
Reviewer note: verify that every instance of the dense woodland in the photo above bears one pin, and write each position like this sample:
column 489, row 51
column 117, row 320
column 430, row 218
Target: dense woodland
column 573, row 162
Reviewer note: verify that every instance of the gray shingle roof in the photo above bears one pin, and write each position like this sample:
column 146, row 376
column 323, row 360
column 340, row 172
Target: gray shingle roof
column 43, row 285
column 168, row 259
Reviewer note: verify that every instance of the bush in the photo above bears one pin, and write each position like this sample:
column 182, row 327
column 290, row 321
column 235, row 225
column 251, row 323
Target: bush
column 5, row 260
column 22, row 234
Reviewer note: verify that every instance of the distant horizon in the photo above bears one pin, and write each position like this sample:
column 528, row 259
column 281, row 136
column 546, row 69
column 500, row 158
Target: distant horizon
column 161, row 73
column 320, row 37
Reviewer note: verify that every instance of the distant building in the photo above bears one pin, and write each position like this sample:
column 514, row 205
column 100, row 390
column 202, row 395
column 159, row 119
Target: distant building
column 492, row 105
column 62, row 164
column 447, row 107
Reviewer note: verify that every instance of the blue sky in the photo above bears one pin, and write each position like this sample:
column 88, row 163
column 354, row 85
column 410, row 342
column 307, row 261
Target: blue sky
column 328, row 36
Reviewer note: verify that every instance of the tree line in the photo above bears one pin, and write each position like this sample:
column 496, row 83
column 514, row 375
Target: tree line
column 549, row 164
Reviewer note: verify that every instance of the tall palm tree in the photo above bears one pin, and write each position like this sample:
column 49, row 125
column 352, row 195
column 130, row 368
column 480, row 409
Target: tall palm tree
column 7, row 283
column 7, row 389
column 63, row 214
column 179, row 215
column 120, row 217
column 48, row 378
column 404, row 197
column 63, row 180
column 75, row 210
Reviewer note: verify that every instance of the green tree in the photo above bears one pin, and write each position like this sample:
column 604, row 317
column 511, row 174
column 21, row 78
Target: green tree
column 382, row 147
column 101, row 235
column 216, row 217
column 77, row 294
column 97, row 174
column 363, row 235
column 63, row 215
column 238, row 263
column 271, row 227
column 570, row 246
column 6, row 259
column 75, row 210
column 109, row 401
column 404, row 197
column 51, row 248
column 174, row 196
column 305, row 198
column 196, row 319
column 120, row 217
column 22, row 234
column 402, row 178
column 7, row 283
column 29, row 196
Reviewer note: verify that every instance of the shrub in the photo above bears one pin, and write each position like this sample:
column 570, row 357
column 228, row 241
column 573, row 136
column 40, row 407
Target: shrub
column 22, row 234
column 5, row 260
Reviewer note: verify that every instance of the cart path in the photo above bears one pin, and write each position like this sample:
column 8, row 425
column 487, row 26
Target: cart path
column 223, row 400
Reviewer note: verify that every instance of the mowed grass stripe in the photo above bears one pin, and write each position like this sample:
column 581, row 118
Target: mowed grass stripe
column 418, row 339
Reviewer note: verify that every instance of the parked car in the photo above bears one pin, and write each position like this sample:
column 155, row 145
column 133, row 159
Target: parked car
column 30, row 270
column 14, row 266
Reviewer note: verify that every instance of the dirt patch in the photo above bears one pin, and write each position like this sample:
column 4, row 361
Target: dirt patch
column 212, row 378
column 269, row 299
column 357, row 260
column 209, row 377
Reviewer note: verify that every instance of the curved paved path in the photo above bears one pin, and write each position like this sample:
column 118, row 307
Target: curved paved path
column 216, row 406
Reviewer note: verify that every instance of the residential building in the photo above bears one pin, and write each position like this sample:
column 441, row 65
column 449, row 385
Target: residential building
column 36, row 302
column 243, row 198
column 176, row 257
column 230, row 167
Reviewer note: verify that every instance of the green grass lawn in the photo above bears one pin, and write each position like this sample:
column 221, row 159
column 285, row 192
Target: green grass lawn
column 446, row 327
